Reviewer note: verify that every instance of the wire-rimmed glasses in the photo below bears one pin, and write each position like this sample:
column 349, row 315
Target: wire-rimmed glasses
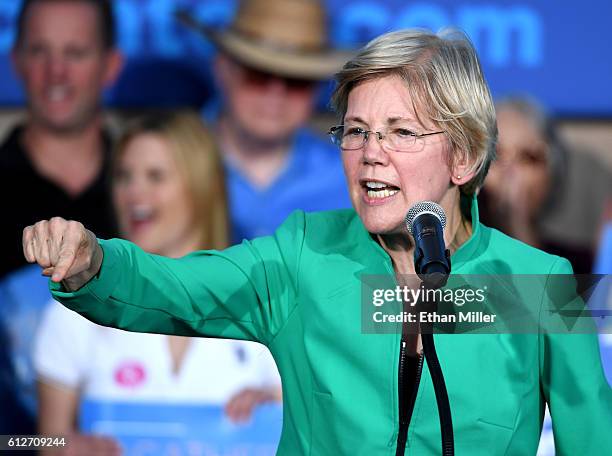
column 396, row 139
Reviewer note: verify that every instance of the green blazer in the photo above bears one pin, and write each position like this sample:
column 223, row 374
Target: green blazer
column 298, row 292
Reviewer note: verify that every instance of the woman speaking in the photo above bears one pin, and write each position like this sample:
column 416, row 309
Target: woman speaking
column 416, row 123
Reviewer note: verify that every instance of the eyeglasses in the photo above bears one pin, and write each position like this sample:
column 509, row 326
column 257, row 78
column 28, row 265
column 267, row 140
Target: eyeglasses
column 396, row 139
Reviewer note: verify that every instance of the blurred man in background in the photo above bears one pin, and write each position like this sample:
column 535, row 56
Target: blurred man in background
column 55, row 162
column 270, row 61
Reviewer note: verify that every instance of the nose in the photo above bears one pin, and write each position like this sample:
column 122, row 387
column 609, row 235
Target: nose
column 56, row 66
column 137, row 190
column 276, row 85
column 373, row 152
column 131, row 187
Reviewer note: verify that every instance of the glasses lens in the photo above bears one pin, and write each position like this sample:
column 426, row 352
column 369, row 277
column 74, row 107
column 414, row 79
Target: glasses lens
column 254, row 77
column 298, row 85
column 353, row 138
column 401, row 140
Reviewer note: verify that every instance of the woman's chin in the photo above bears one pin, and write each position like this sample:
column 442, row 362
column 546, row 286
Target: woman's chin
column 378, row 225
column 144, row 240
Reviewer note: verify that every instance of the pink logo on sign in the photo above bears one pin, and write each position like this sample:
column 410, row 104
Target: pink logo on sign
column 130, row 375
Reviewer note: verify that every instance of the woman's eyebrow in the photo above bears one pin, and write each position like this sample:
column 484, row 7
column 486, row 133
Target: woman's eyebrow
column 390, row 120
column 355, row 119
column 393, row 120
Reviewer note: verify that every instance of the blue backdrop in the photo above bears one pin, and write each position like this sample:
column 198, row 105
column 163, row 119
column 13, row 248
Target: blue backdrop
column 558, row 51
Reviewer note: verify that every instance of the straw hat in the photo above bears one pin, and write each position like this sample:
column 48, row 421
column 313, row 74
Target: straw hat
column 283, row 37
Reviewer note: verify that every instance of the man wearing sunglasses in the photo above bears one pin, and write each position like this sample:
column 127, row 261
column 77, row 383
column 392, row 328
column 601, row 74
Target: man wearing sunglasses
column 270, row 62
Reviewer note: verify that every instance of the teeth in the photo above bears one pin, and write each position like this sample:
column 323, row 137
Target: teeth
column 381, row 193
column 373, row 184
column 57, row 93
column 141, row 212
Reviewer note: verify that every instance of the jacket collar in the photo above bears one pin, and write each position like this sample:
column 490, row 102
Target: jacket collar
column 468, row 250
column 464, row 254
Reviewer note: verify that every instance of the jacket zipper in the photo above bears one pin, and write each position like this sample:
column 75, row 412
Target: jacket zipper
column 405, row 408
column 406, row 405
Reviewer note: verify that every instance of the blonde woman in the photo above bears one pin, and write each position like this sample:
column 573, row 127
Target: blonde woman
column 169, row 194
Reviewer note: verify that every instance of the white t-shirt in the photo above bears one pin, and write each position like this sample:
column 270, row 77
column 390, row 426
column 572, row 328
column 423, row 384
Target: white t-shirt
column 111, row 364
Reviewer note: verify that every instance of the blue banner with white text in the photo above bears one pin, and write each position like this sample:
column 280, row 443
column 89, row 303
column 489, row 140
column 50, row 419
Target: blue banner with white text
column 171, row 429
column 556, row 51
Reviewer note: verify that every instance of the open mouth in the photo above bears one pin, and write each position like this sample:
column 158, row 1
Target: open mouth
column 140, row 217
column 378, row 189
column 57, row 95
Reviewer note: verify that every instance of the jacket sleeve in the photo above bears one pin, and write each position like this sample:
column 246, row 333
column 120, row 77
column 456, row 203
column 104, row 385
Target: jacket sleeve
column 574, row 386
column 244, row 292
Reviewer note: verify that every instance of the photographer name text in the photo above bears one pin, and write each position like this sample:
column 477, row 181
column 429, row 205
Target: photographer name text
column 433, row 317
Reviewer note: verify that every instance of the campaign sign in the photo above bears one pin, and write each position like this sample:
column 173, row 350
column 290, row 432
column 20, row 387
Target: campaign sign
column 145, row 429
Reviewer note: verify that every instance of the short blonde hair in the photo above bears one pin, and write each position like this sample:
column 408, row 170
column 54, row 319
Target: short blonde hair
column 445, row 79
column 195, row 152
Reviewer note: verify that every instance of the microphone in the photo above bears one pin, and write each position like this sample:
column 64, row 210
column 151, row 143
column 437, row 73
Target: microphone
column 425, row 221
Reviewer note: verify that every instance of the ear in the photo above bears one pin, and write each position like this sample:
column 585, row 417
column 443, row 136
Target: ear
column 17, row 63
column 114, row 65
column 223, row 70
column 462, row 170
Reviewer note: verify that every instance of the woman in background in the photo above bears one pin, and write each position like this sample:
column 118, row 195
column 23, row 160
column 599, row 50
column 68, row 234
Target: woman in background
column 536, row 178
column 169, row 195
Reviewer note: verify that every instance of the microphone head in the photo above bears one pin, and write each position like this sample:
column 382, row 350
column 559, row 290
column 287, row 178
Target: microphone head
column 424, row 207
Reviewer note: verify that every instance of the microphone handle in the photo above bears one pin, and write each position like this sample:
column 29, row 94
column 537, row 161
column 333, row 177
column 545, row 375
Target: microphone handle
column 434, row 267
column 430, row 254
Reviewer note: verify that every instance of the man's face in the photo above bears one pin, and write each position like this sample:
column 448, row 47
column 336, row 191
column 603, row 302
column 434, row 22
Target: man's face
column 266, row 107
column 63, row 64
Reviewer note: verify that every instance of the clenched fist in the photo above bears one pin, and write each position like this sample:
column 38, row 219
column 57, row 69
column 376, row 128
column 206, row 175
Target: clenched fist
column 64, row 249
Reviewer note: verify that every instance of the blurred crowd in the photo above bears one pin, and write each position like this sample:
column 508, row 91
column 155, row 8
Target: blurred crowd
column 177, row 181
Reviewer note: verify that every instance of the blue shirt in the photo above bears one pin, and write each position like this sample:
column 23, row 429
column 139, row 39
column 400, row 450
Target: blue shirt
column 603, row 262
column 24, row 294
column 603, row 265
column 313, row 180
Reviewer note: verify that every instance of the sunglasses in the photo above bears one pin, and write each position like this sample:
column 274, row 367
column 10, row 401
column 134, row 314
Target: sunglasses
column 260, row 79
